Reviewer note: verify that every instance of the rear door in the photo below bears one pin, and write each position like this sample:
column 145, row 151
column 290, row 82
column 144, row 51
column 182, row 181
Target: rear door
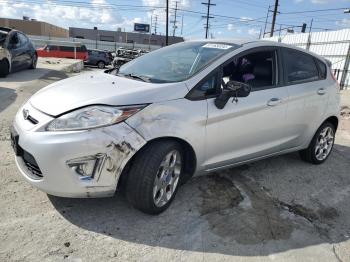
column 307, row 88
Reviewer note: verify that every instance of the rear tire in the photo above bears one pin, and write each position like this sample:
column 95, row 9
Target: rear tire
column 101, row 64
column 4, row 68
column 34, row 62
column 154, row 176
column 321, row 145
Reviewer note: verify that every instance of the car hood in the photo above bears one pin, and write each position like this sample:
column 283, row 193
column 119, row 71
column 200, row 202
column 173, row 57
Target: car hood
column 102, row 88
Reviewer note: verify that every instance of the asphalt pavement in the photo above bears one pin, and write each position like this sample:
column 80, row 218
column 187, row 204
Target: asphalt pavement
column 278, row 209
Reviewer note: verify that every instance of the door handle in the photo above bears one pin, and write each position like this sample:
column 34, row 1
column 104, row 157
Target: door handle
column 274, row 101
column 321, row 91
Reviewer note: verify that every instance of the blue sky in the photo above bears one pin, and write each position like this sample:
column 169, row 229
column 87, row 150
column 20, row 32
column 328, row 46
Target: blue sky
column 233, row 18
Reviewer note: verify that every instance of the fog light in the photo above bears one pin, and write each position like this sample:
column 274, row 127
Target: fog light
column 88, row 167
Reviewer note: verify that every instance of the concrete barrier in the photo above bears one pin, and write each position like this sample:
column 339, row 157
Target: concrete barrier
column 61, row 64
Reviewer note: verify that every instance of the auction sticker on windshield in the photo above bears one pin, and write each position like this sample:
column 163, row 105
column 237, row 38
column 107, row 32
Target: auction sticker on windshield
column 217, row 46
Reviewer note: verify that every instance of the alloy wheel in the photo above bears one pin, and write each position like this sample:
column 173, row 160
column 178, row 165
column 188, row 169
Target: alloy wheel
column 167, row 178
column 324, row 143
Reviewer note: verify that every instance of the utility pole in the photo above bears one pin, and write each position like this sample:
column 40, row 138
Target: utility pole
column 175, row 21
column 155, row 24
column 182, row 23
column 167, row 23
column 274, row 18
column 207, row 17
column 267, row 17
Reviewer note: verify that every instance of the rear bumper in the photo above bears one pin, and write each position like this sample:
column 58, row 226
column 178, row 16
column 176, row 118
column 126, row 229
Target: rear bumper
column 54, row 152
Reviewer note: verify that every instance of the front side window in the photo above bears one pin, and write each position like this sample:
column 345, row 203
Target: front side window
column 299, row 67
column 177, row 62
column 205, row 88
column 256, row 69
column 51, row 47
column 14, row 41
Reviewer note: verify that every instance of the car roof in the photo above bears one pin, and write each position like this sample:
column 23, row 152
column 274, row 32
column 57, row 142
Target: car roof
column 257, row 43
column 5, row 29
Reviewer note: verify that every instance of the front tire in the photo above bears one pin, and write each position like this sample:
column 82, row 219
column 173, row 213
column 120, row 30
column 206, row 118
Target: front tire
column 4, row 68
column 101, row 65
column 321, row 145
column 154, row 176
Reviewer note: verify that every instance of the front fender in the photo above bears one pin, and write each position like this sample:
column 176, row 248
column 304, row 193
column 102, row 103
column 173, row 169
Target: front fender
column 181, row 118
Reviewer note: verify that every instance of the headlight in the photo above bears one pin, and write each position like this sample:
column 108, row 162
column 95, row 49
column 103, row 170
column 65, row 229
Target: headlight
column 92, row 117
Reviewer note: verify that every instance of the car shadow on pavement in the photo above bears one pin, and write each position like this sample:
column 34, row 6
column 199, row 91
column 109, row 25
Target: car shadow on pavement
column 8, row 96
column 25, row 75
column 270, row 206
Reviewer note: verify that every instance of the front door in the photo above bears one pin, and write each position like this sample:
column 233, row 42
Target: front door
column 254, row 126
column 17, row 53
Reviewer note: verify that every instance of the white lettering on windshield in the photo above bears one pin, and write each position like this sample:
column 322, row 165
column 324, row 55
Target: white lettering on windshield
column 217, row 46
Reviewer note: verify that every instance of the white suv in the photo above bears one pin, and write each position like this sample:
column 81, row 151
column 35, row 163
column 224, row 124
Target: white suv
column 186, row 109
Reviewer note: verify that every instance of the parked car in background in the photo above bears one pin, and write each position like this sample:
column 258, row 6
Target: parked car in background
column 98, row 58
column 16, row 51
column 124, row 55
column 63, row 52
column 187, row 109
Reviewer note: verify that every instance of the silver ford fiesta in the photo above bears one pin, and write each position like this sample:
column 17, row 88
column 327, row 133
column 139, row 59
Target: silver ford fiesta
column 183, row 110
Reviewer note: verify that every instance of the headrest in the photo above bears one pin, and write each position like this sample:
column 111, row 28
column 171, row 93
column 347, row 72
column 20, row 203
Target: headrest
column 262, row 69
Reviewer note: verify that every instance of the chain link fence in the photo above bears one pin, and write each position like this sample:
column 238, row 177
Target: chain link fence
column 40, row 41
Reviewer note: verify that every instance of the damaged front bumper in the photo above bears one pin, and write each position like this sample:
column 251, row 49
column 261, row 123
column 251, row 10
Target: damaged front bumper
column 72, row 163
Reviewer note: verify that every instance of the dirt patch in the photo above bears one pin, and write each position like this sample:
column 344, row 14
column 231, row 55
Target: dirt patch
column 239, row 209
column 218, row 194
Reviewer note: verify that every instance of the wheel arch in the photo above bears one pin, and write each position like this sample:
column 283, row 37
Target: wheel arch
column 188, row 151
column 6, row 60
column 333, row 120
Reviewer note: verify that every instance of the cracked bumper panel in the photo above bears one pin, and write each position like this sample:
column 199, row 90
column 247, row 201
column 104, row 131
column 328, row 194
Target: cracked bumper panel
column 53, row 151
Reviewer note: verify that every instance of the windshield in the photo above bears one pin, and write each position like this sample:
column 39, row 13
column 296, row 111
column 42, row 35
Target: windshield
column 177, row 62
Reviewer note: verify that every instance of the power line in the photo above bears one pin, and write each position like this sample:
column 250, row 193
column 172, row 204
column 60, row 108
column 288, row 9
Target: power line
column 208, row 17
column 143, row 8
column 314, row 11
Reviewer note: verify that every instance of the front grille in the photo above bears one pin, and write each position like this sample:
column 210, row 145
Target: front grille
column 31, row 164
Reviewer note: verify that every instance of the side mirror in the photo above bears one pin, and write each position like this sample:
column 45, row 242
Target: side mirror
column 232, row 89
column 239, row 89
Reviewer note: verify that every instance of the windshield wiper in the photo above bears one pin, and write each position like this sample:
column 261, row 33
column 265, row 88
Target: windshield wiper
column 139, row 77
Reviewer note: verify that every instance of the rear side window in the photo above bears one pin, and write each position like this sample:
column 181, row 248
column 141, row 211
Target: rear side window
column 323, row 69
column 299, row 67
column 67, row 48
